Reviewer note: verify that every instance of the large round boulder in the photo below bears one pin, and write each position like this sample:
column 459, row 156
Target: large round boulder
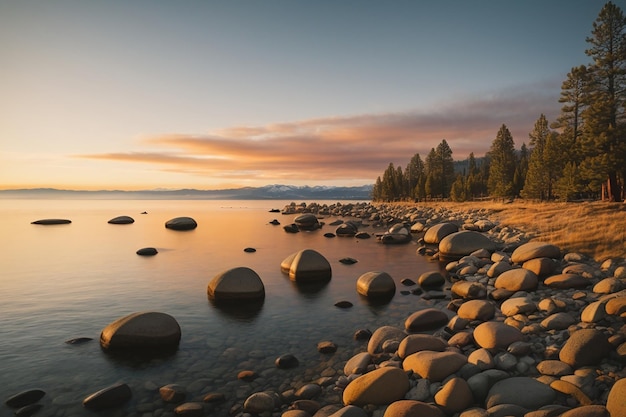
column 236, row 284
column 143, row 331
column 496, row 335
column 181, row 223
column 437, row 232
column 307, row 266
column 307, row 221
column 459, row 244
column 532, row 250
column 426, row 319
column 518, row 279
column 412, row 408
column 376, row 285
column 616, row 402
column 379, row 387
column 435, row 366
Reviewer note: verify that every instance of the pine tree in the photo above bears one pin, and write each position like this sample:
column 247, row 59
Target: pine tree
column 604, row 127
column 414, row 174
column 569, row 185
column 502, row 166
column 536, row 184
column 570, row 121
column 446, row 167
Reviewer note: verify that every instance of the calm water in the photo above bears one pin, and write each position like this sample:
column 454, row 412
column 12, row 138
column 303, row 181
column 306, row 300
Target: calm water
column 66, row 281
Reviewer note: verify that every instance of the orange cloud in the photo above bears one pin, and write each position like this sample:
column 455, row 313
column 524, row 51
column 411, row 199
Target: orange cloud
column 336, row 148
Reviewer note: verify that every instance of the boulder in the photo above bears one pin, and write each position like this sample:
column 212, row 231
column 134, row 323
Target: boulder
column 469, row 290
column 259, row 402
column 286, row 361
column 379, row 387
column 431, row 279
column 357, row 364
column 540, row 266
column 426, row 319
column 554, row 368
column 518, row 279
column 532, row 250
column 348, row 229
column 190, row 409
column 454, row 396
column 496, row 335
column 616, row 402
column 398, row 233
column 521, row 391
column 616, row 306
column 308, row 266
column 307, row 221
column 112, row 396
column 435, row 366
column 236, row 284
column 417, row 342
column 376, row 284
column 121, row 220
column 145, row 331
column 558, row 321
column 382, row 335
column 517, row 305
column 412, row 408
column 565, row 281
column 459, row 244
column 436, row 233
column 585, row 347
column 482, row 310
column 347, row 411
column 181, row 224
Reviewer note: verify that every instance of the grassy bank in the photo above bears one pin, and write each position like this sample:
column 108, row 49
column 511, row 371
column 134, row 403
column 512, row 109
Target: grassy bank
column 597, row 229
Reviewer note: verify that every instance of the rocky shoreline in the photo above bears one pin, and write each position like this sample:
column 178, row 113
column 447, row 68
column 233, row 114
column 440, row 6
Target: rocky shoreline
column 516, row 328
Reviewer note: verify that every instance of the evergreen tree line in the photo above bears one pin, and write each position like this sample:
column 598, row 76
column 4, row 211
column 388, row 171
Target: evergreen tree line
column 582, row 154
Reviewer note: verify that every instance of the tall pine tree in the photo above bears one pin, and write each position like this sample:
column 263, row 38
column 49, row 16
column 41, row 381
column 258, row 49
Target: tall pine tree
column 502, row 165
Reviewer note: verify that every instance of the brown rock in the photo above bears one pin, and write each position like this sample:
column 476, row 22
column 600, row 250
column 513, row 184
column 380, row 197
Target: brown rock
column 532, row 250
column 418, row 342
column 587, row 411
column 585, row 347
column 496, row 335
column 378, row 387
column 540, row 266
column 564, row 281
column 412, row 408
column 435, row 366
column 616, row 402
column 518, row 279
column 426, row 319
column 455, row 396
column 570, row 389
column 482, row 310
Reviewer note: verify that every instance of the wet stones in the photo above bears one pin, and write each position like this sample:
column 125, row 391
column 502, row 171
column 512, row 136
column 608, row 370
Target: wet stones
column 143, row 331
column 496, row 335
column 436, row 233
column 307, row 221
column 49, row 222
column 25, row 398
column 434, row 366
column 426, row 319
column 236, row 285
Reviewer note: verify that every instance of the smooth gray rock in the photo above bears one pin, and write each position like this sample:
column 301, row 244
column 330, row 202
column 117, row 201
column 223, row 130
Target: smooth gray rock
column 236, row 284
column 109, row 397
column 181, row 224
column 146, row 331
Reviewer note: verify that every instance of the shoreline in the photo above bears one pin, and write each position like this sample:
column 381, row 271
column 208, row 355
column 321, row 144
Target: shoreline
column 544, row 317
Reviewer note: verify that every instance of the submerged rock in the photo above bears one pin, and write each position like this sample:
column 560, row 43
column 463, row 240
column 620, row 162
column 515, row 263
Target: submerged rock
column 25, row 398
column 307, row 266
column 143, row 331
column 376, row 285
column 112, row 396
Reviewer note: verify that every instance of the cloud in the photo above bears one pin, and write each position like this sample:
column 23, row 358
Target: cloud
column 356, row 147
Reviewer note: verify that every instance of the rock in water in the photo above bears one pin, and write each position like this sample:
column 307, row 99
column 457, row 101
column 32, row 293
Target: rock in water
column 181, row 223
column 25, row 398
column 376, row 284
column 236, row 284
column 147, row 252
column 121, row 220
column 144, row 331
column 47, row 222
column 109, row 397
column 308, row 266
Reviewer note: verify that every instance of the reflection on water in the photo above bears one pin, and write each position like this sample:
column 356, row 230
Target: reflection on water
column 243, row 311
column 68, row 281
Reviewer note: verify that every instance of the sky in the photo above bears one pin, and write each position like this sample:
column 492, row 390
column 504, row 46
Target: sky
column 142, row 94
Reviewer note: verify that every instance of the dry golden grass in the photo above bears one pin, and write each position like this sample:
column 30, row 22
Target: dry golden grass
column 597, row 229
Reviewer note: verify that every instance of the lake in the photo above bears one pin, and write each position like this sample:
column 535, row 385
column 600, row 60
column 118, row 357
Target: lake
column 62, row 282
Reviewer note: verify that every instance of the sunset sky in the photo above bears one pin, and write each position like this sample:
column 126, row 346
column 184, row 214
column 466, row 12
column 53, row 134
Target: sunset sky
column 217, row 94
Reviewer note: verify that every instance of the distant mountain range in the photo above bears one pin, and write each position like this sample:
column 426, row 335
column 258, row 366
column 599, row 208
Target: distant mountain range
column 268, row 192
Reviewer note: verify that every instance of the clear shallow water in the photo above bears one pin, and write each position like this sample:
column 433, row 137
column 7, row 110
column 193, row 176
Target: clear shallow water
column 66, row 281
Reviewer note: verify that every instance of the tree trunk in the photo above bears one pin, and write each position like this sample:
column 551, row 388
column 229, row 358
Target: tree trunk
column 613, row 188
